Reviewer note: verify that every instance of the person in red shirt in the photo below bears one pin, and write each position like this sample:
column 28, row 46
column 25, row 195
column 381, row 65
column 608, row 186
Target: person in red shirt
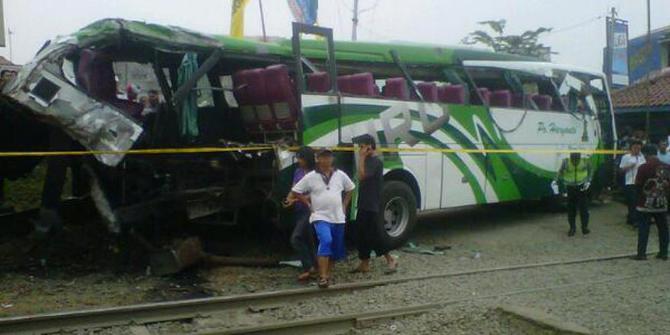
column 652, row 182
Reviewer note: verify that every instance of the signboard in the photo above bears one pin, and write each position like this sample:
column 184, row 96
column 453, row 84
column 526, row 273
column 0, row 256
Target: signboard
column 304, row 11
column 617, row 46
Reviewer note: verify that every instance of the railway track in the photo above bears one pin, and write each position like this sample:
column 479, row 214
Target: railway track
column 342, row 323
column 190, row 309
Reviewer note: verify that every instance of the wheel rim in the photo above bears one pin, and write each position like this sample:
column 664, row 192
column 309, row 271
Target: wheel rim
column 396, row 216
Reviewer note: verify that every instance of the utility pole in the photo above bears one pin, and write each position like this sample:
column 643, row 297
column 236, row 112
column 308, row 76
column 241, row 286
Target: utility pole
column 354, row 30
column 649, row 47
column 10, row 33
column 265, row 36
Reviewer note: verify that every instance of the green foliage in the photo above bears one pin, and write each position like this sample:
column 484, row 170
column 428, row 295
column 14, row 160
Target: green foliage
column 525, row 44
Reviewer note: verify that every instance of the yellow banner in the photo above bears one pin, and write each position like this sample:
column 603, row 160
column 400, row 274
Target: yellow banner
column 237, row 20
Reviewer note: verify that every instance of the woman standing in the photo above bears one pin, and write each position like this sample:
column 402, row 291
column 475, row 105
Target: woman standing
column 302, row 238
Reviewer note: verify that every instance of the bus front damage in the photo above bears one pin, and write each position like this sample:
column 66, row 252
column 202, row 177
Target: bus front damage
column 75, row 85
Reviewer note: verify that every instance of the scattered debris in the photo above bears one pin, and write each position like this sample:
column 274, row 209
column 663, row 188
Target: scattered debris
column 293, row 264
column 189, row 252
column 442, row 247
column 412, row 248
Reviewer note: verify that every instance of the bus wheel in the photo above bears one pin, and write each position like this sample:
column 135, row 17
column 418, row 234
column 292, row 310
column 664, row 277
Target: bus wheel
column 398, row 214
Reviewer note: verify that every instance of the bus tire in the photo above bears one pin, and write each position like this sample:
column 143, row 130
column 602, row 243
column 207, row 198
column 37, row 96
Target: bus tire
column 397, row 214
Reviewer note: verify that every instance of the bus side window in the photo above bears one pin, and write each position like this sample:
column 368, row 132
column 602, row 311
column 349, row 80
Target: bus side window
column 456, row 89
column 540, row 93
column 495, row 88
column 577, row 92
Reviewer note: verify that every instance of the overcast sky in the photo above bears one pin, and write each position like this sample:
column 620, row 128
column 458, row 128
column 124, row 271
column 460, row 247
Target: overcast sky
column 579, row 34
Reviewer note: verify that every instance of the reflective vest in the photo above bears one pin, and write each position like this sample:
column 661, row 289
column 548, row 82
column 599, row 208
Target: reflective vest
column 575, row 174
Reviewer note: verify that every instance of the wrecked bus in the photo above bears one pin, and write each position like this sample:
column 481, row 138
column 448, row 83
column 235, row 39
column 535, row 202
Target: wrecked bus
column 435, row 111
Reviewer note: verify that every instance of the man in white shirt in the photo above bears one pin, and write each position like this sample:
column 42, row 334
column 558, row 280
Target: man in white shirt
column 630, row 162
column 663, row 154
column 325, row 187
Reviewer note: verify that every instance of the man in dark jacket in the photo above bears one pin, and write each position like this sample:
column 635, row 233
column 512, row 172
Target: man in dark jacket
column 652, row 182
column 367, row 227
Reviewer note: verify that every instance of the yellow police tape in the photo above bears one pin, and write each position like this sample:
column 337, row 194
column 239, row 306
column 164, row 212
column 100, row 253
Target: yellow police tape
column 204, row 150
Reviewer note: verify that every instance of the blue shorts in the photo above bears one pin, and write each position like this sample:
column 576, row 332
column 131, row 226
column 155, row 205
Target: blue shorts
column 331, row 240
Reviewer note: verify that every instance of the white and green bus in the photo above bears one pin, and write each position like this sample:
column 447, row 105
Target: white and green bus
column 441, row 116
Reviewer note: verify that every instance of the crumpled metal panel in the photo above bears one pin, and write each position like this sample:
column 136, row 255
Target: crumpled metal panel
column 96, row 125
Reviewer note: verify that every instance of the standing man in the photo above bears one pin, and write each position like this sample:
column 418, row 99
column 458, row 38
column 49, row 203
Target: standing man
column 576, row 174
column 367, row 227
column 653, row 182
column 663, row 154
column 326, row 186
column 630, row 162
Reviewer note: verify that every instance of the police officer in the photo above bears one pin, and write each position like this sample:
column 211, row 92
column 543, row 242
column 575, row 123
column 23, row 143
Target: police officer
column 576, row 173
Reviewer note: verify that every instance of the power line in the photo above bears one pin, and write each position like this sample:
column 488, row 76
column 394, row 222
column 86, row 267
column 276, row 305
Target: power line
column 576, row 25
column 371, row 8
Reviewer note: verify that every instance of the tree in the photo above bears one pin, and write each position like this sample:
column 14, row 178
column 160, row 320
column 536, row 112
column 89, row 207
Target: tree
column 525, row 44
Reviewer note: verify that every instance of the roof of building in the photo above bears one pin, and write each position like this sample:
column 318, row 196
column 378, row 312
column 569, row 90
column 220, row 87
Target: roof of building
column 654, row 92
column 664, row 29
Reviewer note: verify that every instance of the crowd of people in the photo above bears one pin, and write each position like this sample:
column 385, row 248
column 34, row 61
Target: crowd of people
column 646, row 182
column 321, row 197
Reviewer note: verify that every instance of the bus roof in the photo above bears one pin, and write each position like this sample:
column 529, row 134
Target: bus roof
column 539, row 68
column 111, row 31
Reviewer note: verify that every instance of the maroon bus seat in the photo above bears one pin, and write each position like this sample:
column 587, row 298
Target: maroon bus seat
column 543, row 101
column 344, row 84
column 357, row 84
column 483, row 98
column 501, row 98
column 249, row 90
column 396, row 88
column 427, row 90
column 281, row 97
column 452, row 94
column 95, row 75
column 362, row 84
column 318, row 82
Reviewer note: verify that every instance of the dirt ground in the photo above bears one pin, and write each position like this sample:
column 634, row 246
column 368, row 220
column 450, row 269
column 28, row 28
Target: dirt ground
column 474, row 238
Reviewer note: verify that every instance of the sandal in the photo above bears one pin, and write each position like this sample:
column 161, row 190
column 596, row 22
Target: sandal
column 323, row 283
column 358, row 270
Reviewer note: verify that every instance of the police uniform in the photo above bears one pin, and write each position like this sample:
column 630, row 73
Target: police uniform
column 576, row 176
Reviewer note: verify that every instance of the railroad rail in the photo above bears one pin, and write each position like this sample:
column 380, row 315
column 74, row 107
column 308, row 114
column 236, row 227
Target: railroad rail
column 342, row 323
column 190, row 309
